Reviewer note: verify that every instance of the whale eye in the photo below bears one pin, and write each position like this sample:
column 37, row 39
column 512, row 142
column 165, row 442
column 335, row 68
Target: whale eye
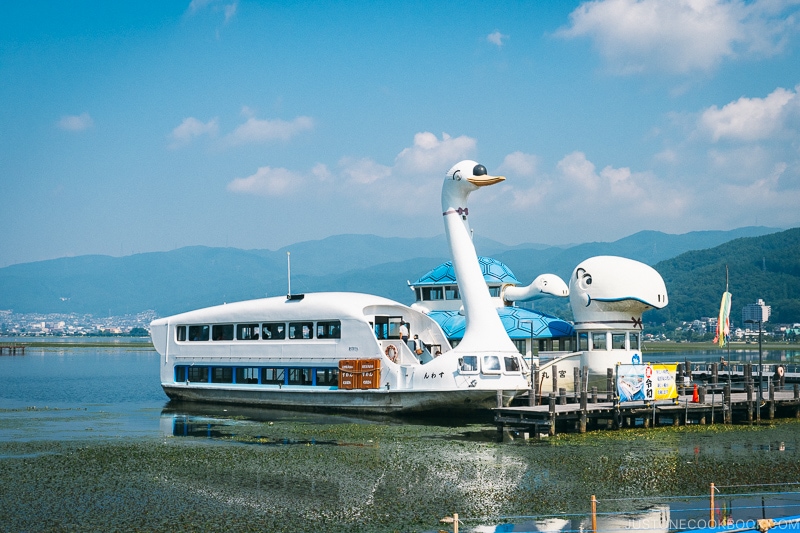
column 584, row 280
column 479, row 170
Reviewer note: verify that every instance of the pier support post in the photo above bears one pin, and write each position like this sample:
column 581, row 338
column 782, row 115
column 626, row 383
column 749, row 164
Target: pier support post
column 749, row 388
column 536, row 386
column 610, row 384
column 772, row 400
column 562, row 396
column 594, row 394
column 552, row 400
column 714, row 374
column 584, row 412
column 576, row 381
column 727, row 413
column 555, row 378
column 797, row 397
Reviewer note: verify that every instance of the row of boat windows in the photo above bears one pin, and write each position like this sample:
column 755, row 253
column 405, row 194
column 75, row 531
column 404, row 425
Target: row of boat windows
column 446, row 292
column 326, row 377
column 490, row 364
column 600, row 340
column 323, row 329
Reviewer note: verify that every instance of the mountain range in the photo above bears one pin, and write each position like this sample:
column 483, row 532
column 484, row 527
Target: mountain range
column 199, row 276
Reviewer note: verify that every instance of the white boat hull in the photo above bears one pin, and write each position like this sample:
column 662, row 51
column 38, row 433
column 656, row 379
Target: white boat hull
column 363, row 401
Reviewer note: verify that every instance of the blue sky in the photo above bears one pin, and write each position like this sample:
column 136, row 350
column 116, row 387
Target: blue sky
column 145, row 126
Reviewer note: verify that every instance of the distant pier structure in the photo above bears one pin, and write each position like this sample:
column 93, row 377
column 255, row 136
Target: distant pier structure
column 12, row 349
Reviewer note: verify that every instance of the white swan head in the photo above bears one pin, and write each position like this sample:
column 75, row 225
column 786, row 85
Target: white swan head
column 605, row 286
column 462, row 179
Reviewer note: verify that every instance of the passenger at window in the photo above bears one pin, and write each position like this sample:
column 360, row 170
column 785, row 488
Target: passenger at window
column 403, row 332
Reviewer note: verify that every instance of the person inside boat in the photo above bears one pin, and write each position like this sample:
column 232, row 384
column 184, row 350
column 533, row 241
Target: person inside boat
column 418, row 347
column 403, row 330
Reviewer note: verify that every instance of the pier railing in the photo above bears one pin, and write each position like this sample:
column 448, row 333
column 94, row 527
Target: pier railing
column 724, row 508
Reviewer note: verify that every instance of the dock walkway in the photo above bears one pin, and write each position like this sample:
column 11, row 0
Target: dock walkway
column 579, row 414
column 12, row 349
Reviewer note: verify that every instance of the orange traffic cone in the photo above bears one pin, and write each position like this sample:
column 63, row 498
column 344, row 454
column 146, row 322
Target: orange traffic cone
column 695, row 396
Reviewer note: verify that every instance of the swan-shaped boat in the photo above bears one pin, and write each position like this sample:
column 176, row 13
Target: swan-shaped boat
column 346, row 351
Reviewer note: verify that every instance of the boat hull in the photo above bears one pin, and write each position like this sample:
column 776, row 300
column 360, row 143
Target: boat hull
column 356, row 401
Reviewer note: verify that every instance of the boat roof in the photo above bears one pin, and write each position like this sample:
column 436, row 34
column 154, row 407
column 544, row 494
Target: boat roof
column 494, row 272
column 313, row 306
column 516, row 320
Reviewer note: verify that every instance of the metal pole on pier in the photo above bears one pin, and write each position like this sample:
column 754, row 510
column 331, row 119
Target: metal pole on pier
column 711, row 510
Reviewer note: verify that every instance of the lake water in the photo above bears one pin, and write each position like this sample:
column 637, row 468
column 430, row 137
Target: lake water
column 109, row 398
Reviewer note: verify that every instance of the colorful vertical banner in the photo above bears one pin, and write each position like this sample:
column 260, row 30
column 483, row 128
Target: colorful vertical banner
column 647, row 382
column 723, row 321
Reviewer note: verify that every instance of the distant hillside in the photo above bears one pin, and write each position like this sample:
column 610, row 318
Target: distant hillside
column 192, row 277
column 766, row 267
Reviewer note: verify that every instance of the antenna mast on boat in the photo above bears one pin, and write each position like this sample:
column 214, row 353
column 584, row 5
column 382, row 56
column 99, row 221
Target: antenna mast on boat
column 289, row 274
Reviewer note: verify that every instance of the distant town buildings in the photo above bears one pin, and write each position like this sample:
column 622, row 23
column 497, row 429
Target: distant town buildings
column 38, row 324
column 755, row 313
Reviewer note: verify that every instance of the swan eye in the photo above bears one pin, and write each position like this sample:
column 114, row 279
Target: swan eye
column 457, row 175
column 479, row 170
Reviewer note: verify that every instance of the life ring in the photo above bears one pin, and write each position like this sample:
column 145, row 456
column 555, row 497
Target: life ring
column 780, row 371
column 391, row 349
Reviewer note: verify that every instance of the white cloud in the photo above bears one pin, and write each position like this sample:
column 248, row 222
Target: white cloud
column 76, row 122
column 681, row 36
column 519, row 164
column 230, row 10
column 431, row 155
column 497, row 38
column 267, row 181
column 363, row 171
column 258, row 130
column 751, row 119
column 190, row 129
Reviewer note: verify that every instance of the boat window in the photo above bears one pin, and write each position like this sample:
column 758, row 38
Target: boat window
column 468, row 363
column 599, row 341
column 301, row 330
column 180, row 334
column 222, row 332
column 451, row 292
column 583, row 341
column 198, row 374
column 328, row 376
column 634, row 340
column 331, row 329
column 273, row 331
column 394, row 327
column 222, row 374
column 432, row 293
column 491, row 364
column 494, row 291
column 247, row 332
column 247, row 375
column 180, row 373
column 512, row 364
column 198, row 333
column 274, row 376
column 299, row 376
column 617, row 341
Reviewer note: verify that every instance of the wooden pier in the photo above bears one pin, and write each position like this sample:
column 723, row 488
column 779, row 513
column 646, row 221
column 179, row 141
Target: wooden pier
column 581, row 412
column 12, row 349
